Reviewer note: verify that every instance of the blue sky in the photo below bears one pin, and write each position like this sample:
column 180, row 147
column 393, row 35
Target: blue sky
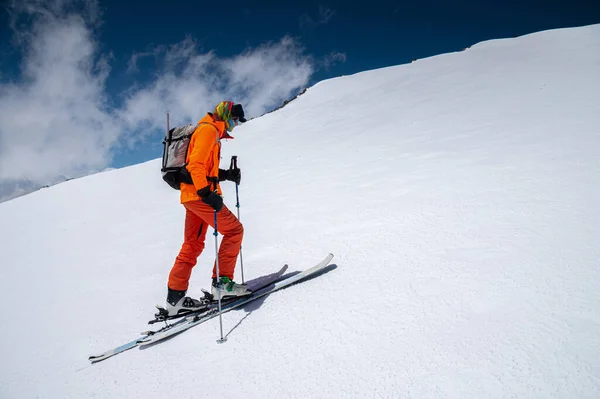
column 86, row 82
column 344, row 37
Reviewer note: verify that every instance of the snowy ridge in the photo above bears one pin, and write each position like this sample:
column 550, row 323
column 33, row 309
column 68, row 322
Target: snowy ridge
column 459, row 193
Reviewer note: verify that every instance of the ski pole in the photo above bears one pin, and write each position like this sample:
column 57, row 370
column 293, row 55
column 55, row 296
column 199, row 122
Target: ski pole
column 233, row 165
column 222, row 339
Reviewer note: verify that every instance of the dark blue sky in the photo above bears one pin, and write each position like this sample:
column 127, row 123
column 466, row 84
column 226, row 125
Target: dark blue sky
column 370, row 34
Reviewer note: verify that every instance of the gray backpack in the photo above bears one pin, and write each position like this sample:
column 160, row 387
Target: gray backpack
column 176, row 143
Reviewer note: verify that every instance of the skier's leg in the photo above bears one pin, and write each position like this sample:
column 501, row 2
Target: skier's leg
column 231, row 229
column 233, row 232
column 193, row 245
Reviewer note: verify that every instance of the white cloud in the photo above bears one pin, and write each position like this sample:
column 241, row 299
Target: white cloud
column 55, row 120
column 132, row 66
column 191, row 82
column 269, row 73
column 308, row 23
column 333, row 58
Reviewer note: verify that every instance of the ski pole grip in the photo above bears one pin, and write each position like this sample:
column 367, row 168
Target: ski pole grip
column 233, row 162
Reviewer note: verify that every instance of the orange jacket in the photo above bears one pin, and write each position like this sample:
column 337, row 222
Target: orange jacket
column 203, row 157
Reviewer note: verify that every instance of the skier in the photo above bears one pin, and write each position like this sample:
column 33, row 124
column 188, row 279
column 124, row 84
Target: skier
column 201, row 200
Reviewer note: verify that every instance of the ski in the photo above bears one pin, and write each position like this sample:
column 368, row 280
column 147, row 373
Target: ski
column 254, row 285
column 193, row 321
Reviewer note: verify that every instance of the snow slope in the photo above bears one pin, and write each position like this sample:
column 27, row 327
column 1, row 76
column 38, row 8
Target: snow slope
column 459, row 194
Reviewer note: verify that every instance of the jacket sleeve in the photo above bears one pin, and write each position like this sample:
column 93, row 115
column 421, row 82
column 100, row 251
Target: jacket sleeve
column 203, row 141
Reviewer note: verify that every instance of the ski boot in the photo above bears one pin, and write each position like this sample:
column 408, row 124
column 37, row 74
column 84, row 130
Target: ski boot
column 178, row 303
column 227, row 288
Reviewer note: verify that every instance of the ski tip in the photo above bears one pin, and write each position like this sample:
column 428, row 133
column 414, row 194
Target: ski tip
column 98, row 358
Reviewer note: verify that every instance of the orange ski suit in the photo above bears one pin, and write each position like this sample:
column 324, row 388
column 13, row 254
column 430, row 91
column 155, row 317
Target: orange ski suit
column 203, row 158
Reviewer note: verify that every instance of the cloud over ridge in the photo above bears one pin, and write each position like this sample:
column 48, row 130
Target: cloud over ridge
column 57, row 118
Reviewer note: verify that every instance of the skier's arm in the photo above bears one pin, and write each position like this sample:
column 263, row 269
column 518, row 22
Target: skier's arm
column 204, row 140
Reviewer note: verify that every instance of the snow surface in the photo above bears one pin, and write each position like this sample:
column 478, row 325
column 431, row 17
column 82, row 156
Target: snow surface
column 465, row 224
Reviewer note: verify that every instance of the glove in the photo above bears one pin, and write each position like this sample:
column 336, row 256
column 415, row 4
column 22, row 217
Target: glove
column 214, row 200
column 234, row 175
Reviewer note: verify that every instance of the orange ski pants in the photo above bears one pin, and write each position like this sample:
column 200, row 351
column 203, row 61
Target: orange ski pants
column 198, row 216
